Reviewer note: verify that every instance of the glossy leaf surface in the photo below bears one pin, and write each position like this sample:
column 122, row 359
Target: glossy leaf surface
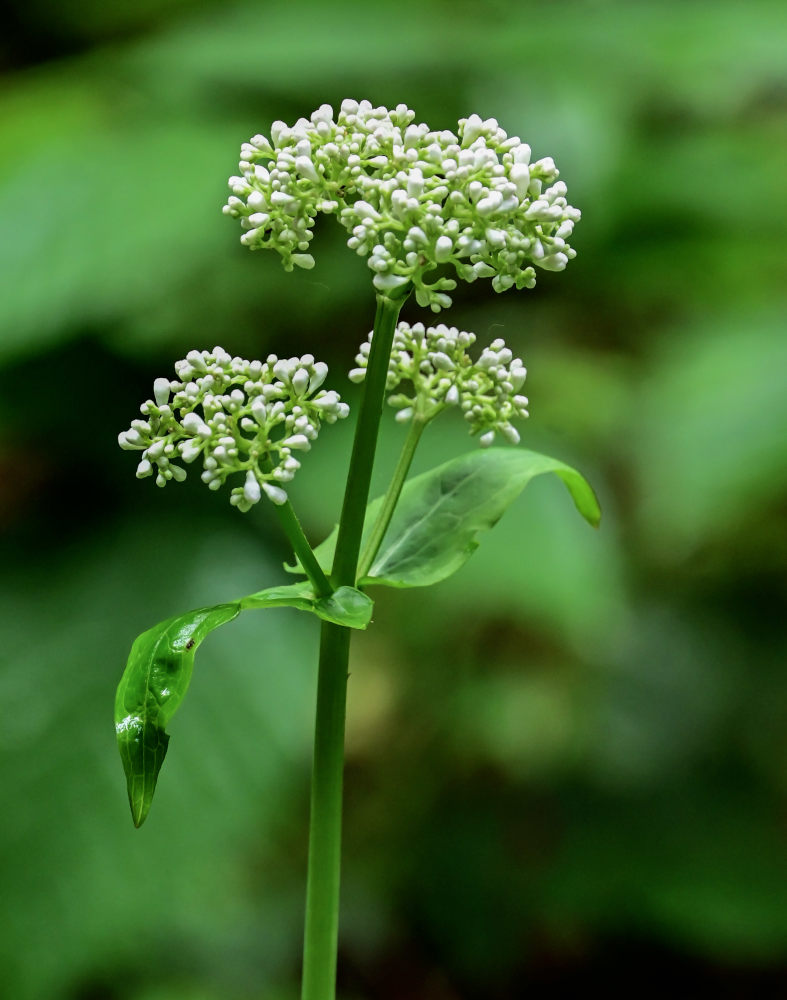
column 441, row 512
column 153, row 685
column 345, row 606
column 161, row 662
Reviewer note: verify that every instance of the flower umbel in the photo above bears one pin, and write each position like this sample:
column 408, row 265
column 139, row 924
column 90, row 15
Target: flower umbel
column 435, row 361
column 411, row 199
column 240, row 416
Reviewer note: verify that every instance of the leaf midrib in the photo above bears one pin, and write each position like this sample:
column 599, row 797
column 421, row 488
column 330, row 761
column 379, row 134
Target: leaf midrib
column 429, row 513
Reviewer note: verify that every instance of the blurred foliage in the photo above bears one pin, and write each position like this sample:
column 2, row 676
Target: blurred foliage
column 566, row 763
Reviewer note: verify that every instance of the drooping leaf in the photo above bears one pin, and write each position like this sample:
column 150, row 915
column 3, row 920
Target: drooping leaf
column 153, row 685
column 440, row 513
column 161, row 662
column 434, row 528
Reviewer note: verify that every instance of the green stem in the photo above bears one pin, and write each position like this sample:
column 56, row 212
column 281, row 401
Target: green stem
column 300, row 544
column 356, row 494
column 391, row 497
column 325, row 829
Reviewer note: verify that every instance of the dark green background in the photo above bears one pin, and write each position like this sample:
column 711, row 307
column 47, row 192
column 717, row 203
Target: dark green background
column 566, row 765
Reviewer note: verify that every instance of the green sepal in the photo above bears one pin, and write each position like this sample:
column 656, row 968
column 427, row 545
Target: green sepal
column 440, row 513
column 161, row 662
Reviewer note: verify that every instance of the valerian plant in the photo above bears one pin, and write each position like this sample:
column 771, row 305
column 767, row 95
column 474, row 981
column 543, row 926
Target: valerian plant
column 420, row 206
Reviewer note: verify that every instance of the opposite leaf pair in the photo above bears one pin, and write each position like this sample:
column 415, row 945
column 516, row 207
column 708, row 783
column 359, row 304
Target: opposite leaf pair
column 432, row 534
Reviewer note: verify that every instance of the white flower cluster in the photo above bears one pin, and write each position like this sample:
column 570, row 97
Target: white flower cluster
column 435, row 361
column 410, row 198
column 240, row 416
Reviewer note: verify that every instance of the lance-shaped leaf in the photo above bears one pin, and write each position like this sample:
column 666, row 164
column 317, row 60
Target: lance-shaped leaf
column 440, row 513
column 161, row 662
column 153, row 685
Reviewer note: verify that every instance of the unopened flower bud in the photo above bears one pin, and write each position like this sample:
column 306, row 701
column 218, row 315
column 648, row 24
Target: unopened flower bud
column 233, row 413
column 251, row 488
column 390, row 182
column 275, row 493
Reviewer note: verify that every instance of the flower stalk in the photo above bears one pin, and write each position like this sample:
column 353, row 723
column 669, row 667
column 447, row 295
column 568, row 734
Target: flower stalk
column 325, row 827
column 391, row 498
column 294, row 533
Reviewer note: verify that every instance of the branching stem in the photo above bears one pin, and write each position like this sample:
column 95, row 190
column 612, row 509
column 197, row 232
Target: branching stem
column 325, row 829
column 391, row 497
column 359, row 477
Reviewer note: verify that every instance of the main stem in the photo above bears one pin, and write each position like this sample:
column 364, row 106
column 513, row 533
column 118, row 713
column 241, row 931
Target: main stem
column 325, row 829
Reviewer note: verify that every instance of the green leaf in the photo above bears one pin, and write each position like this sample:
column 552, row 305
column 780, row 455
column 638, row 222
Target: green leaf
column 161, row 662
column 153, row 685
column 440, row 513
column 345, row 606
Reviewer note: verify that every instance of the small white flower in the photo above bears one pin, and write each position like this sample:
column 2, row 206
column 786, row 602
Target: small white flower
column 434, row 362
column 241, row 416
column 298, row 441
column 488, row 211
column 161, row 388
column 443, row 248
column 251, row 488
column 274, row 493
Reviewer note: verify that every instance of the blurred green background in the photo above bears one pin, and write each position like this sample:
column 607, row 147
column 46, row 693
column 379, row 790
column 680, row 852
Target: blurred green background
column 566, row 765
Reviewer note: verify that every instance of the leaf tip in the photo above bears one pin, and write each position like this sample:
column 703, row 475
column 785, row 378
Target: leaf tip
column 593, row 513
column 142, row 746
column 139, row 813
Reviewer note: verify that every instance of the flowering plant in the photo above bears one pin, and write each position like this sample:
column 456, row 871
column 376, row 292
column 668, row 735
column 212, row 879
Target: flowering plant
column 415, row 203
